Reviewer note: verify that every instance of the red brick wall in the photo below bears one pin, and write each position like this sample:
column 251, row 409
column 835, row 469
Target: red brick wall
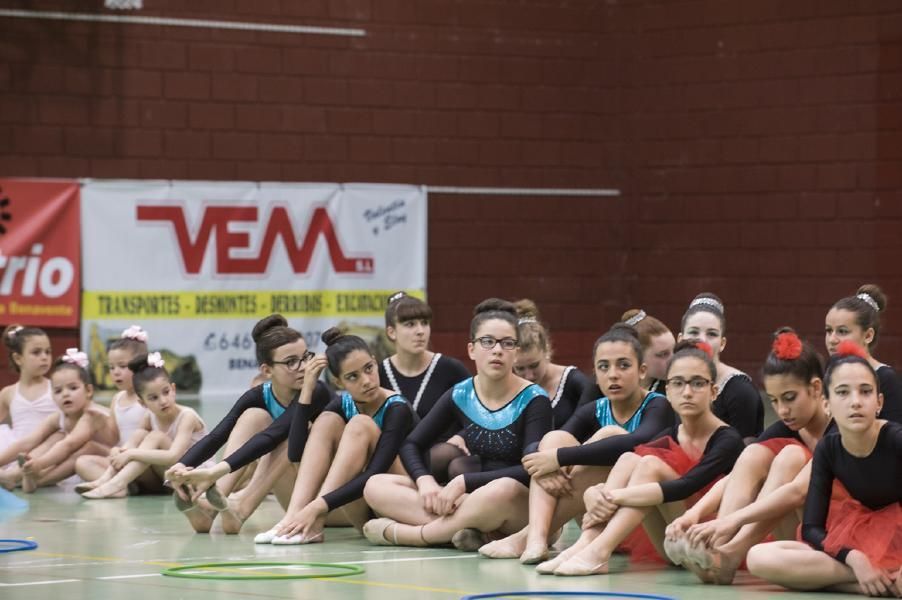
column 757, row 144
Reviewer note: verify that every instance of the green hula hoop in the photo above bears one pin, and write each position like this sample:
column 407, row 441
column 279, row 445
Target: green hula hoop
column 342, row 570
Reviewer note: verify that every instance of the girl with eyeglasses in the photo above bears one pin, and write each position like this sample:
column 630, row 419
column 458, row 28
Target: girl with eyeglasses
column 356, row 437
column 738, row 402
column 256, row 426
column 852, row 525
column 769, row 482
column 500, row 416
column 857, row 318
column 650, row 485
column 422, row 376
column 564, row 385
column 583, row 451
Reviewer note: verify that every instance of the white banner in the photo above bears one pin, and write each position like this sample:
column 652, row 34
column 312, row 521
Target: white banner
column 198, row 263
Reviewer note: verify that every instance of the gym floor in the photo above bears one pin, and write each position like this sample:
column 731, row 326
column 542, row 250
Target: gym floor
column 117, row 548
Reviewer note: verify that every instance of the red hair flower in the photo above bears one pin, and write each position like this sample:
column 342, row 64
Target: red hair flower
column 787, row 346
column 706, row 348
column 850, row 348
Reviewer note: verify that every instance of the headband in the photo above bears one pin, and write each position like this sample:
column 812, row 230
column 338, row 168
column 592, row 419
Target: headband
column 634, row 320
column 869, row 300
column 396, row 296
column 709, row 302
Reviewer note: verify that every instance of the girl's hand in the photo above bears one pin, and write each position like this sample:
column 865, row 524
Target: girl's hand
column 458, row 442
column 114, row 451
column 873, row 581
column 121, row 459
column 302, row 522
column 176, row 473
column 312, row 371
column 541, row 463
column 600, row 506
column 449, row 498
column 556, row 484
column 428, row 491
column 713, row 533
column 680, row 525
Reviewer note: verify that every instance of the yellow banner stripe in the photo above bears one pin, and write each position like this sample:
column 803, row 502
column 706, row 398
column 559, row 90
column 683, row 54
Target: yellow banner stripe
column 236, row 305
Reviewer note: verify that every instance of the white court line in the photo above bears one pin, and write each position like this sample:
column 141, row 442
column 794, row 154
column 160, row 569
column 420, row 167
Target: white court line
column 131, row 576
column 48, row 582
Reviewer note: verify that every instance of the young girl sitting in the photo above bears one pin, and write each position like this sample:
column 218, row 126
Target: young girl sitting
column 852, row 533
column 26, row 403
column 648, row 486
column 127, row 408
column 166, row 431
column 47, row 455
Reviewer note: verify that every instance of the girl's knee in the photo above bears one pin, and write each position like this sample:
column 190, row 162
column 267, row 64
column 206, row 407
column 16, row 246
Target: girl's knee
column 375, row 486
column 502, row 490
column 755, row 458
column 791, row 458
column 649, row 466
column 557, row 439
column 758, row 560
column 361, row 426
column 606, row 432
column 256, row 417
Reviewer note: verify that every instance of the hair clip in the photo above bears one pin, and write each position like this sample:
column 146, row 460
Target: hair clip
column 135, row 332
column 869, row 300
column 154, row 359
column 525, row 320
column 787, row 346
column 709, row 302
column 15, row 330
column 634, row 320
column 850, row 348
column 706, row 348
column 74, row 357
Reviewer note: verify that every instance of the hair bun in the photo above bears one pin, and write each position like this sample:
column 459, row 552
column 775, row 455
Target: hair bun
column 331, row 335
column 850, row 348
column 267, row 323
column 624, row 328
column 872, row 294
column 495, row 304
column 787, row 345
column 526, row 309
column 138, row 363
column 696, row 345
column 709, row 301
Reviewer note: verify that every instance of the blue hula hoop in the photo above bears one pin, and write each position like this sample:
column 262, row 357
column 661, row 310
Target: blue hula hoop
column 21, row 545
column 566, row 594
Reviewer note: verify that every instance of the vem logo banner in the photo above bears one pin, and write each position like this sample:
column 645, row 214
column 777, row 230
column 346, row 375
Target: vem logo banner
column 216, row 221
column 39, row 252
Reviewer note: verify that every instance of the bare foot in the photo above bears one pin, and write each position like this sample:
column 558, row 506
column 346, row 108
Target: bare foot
column 9, row 478
column 29, row 483
column 724, row 566
column 105, row 491
column 201, row 520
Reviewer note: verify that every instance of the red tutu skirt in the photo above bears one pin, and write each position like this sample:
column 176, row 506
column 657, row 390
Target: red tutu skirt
column 637, row 544
column 876, row 533
column 775, row 445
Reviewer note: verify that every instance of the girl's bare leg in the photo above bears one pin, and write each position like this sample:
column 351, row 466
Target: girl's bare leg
column 251, row 421
column 797, row 566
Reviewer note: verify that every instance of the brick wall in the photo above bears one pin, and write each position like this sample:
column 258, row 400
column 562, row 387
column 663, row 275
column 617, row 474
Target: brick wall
column 757, row 144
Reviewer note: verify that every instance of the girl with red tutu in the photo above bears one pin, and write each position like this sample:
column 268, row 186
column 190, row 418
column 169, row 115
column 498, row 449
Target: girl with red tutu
column 769, row 481
column 583, row 451
column 853, row 545
column 651, row 485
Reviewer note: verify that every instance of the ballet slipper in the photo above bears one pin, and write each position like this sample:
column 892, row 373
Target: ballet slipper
column 217, row 501
column 577, row 567
column 676, row 550
column 99, row 494
column 704, row 575
column 723, row 566
column 182, row 504
column 550, row 566
column 534, row 555
column 374, row 530
column 499, row 549
column 297, row 539
column 85, row 486
column 267, row 536
column 469, row 540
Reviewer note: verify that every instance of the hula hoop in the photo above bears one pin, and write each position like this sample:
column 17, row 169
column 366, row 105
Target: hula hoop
column 343, row 570
column 21, row 545
column 567, row 594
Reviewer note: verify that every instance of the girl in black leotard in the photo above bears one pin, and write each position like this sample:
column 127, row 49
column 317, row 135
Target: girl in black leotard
column 253, row 428
column 419, row 374
column 644, row 484
column 854, row 530
column 738, row 402
column 356, row 436
column 582, row 452
column 857, row 319
column 564, row 385
column 499, row 416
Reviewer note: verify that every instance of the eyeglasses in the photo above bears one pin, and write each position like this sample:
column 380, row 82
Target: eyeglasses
column 294, row 363
column 488, row 342
column 697, row 384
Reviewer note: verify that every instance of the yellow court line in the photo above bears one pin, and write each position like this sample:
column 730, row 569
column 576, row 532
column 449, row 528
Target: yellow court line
column 402, row 586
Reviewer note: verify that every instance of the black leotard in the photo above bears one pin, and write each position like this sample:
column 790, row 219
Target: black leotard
column 739, row 405
column 891, row 388
column 500, row 437
column 268, row 439
column 653, row 415
column 567, row 396
column 446, row 372
column 394, row 418
column 874, row 480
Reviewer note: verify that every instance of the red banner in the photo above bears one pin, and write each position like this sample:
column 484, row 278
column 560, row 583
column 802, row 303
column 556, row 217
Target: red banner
column 40, row 253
